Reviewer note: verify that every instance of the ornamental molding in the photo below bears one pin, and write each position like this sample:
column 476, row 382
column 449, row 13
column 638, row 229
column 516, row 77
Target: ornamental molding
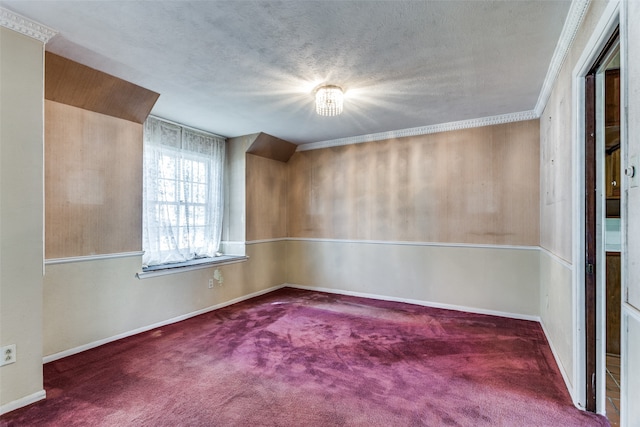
column 577, row 11
column 423, row 130
column 26, row 26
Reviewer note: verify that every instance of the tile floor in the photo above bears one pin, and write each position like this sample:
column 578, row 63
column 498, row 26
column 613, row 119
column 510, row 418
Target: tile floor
column 613, row 389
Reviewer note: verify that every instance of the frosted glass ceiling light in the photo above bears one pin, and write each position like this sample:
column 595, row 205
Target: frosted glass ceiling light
column 329, row 100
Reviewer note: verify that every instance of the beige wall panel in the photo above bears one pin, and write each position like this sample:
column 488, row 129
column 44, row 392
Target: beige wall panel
column 21, row 212
column 89, row 301
column 471, row 186
column 93, row 176
column 496, row 279
column 266, row 195
column 556, row 171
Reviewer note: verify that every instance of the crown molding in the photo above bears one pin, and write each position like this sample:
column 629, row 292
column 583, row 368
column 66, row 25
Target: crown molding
column 575, row 16
column 577, row 11
column 22, row 25
column 423, row 130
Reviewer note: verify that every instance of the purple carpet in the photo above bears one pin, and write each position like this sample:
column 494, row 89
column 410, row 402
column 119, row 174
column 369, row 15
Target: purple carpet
column 299, row 358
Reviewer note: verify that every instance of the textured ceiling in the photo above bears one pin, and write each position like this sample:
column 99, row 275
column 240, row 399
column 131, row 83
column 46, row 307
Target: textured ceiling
column 241, row 67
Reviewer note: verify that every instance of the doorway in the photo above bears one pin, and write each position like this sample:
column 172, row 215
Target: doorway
column 602, row 282
column 612, row 240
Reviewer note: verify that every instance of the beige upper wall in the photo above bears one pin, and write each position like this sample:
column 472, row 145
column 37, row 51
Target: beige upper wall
column 93, row 183
column 21, row 213
column 556, row 171
column 266, row 196
column 477, row 186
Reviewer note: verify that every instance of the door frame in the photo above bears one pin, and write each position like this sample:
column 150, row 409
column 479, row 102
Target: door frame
column 595, row 209
column 597, row 43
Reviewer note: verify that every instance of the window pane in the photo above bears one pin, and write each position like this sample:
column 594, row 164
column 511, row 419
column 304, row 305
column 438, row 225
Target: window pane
column 178, row 204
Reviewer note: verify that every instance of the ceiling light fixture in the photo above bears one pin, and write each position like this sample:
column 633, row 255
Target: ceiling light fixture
column 329, row 100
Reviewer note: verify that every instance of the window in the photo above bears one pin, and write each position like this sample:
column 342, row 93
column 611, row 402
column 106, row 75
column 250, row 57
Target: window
column 182, row 195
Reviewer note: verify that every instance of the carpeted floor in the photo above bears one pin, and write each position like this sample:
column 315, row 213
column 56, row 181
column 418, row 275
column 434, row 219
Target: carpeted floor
column 299, row 358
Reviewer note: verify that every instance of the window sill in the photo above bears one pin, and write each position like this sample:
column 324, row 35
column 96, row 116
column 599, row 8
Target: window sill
column 198, row 264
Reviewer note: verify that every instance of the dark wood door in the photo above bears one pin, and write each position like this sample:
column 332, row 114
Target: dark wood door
column 613, row 303
column 590, row 238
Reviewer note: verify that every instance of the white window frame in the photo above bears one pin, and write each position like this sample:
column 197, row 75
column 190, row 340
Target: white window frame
column 170, row 239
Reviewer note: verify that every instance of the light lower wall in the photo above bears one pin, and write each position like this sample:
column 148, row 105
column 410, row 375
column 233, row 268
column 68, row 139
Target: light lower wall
column 21, row 213
column 500, row 280
column 92, row 301
column 631, row 369
column 556, row 310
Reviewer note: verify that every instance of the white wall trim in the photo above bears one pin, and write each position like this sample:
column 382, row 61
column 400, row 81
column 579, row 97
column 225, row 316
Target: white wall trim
column 94, row 344
column 409, row 243
column 556, row 258
column 277, row 239
column 423, row 130
column 26, row 26
column 576, row 14
column 53, row 261
column 228, row 259
column 22, row 402
column 423, row 303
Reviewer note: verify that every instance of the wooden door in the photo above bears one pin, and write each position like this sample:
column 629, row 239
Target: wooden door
column 613, row 303
column 590, row 255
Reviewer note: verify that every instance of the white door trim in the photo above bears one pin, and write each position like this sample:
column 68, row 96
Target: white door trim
column 599, row 37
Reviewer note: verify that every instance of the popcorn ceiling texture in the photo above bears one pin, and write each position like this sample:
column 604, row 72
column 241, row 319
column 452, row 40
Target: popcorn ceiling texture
column 237, row 68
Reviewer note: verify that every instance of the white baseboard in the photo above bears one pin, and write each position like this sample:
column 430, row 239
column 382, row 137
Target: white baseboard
column 563, row 372
column 418, row 302
column 22, row 402
column 94, row 344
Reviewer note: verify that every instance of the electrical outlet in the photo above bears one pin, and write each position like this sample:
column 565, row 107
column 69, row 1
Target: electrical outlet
column 8, row 354
column 210, row 283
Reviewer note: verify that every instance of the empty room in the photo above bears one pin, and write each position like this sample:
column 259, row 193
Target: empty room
column 320, row 213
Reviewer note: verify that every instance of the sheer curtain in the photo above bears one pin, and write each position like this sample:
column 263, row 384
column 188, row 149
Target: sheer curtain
column 182, row 193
